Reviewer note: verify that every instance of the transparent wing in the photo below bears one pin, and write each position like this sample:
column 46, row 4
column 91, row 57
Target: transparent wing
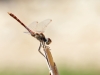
column 40, row 28
column 32, row 26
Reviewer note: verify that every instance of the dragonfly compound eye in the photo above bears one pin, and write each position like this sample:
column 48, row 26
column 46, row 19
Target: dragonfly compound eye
column 48, row 41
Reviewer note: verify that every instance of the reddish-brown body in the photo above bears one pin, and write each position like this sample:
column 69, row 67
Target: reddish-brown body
column 38, row 36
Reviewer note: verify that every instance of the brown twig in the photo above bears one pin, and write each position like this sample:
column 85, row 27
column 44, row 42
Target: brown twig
column 50, row 62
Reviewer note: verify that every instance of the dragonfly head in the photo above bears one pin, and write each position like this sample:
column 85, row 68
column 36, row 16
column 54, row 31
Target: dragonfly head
column 48, row 41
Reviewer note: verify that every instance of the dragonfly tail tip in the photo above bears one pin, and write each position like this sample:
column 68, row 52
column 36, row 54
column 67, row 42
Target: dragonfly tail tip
column 8, row 12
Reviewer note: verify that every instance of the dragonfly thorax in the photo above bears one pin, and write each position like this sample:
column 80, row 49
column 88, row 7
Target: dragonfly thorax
column 41, row 38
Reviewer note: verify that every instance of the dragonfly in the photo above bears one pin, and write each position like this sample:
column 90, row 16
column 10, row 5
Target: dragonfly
column 36, row 30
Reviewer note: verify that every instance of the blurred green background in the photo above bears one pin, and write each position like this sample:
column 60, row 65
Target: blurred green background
column 74, row 30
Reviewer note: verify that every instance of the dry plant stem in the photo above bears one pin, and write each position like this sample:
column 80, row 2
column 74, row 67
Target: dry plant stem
column 50, row 62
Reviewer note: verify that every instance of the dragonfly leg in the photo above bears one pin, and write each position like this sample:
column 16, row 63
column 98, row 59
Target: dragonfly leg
column 40, row 50
column 43, row 43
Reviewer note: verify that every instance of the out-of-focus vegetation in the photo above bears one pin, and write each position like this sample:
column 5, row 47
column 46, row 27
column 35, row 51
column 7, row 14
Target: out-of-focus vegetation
column 62, row 71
